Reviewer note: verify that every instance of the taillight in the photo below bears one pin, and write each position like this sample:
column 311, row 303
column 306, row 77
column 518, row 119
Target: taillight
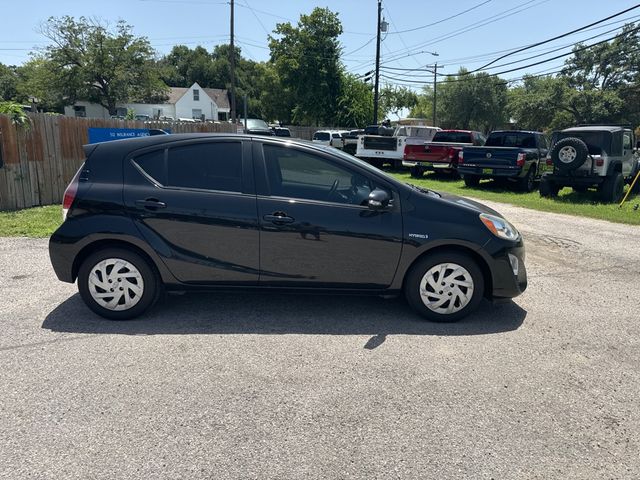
column 549, row 161
column 461, row 157
column 70, row 194
column 599, row 162
column 520, row 160
column 452, row 154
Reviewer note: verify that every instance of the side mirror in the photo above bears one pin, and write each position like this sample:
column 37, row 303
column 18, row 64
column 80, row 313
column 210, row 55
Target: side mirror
column 378, row 199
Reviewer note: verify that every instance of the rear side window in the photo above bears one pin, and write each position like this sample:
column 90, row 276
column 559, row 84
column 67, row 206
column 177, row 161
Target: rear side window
column 206, row 166
column 508, row 139
column 453, row 137
column 153, row 165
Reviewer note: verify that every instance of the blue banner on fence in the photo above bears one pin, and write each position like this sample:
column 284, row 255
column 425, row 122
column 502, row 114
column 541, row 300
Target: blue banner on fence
column 97, row 135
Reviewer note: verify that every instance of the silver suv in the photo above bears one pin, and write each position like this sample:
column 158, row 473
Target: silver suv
column 597, row 156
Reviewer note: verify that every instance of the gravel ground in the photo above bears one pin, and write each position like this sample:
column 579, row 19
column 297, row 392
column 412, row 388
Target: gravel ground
column 255, row 386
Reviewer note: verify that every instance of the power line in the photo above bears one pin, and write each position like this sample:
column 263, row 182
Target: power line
column 481, row 23
column 442, row 20
column 560, row 36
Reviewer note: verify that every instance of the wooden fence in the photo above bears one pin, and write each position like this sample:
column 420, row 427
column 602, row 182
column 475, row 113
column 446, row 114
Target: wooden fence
column 38, row 162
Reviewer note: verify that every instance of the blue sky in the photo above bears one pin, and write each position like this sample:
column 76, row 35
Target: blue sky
column 469, row 39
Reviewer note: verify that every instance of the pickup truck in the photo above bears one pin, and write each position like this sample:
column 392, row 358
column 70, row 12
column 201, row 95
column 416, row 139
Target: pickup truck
column 515, row 155
column 380, row 149
column 350, row 141
column 441, row 154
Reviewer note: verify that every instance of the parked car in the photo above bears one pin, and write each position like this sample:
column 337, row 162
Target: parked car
column 515, row 155
column 598, row 156
column 205, row 211
column 441, row 153
column 256, row 126
column 380, row 148
column 281, row 132
column 350, row 141
column 332, row 138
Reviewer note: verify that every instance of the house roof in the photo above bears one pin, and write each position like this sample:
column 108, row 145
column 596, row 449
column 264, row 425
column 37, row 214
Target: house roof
column 219, row 96
column 175, row 94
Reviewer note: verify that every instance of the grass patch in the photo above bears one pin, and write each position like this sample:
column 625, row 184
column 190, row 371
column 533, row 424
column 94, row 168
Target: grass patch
column 31, row 222
column 568, row 202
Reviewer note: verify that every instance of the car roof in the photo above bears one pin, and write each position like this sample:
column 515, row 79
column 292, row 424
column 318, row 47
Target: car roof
column 595, row 128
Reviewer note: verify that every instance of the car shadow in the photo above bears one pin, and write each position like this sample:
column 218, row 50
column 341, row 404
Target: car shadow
column 256, row 313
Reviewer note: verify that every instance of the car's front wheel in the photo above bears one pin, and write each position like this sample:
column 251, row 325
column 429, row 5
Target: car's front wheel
column 444, row 286
column 117, row 283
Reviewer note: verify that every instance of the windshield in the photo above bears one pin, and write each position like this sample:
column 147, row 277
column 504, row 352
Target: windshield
column 257, row 124
column 453, row 137
column 321, row 136
column 596, row 141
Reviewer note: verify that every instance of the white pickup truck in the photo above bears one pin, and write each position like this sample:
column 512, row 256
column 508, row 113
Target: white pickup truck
column 381, row 149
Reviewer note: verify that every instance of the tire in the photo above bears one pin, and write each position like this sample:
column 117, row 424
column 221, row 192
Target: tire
column 135, row 271
column 471, row 180
column 569, row 154
column 416, row 172
column 527, row 183
column 612, row 188
column 465, row 300
column 376, row 162
column 548, row 188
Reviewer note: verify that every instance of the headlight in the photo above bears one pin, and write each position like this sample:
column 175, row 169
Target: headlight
column 499, row 227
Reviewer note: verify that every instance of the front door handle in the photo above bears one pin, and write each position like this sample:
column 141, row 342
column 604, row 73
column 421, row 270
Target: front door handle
column 151, row 203
column 279, row 218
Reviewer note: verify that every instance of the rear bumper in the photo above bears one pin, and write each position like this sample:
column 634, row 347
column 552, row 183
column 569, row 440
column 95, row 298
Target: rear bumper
column 429, row 165
column 574, row 181
column 491, row 171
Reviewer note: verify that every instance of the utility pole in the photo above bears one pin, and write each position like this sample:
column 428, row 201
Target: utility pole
column 435, row 91
column 375, row 88
column 232, row 62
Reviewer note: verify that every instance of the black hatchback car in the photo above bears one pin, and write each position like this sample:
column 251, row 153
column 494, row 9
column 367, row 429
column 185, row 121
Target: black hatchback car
column 196, row 211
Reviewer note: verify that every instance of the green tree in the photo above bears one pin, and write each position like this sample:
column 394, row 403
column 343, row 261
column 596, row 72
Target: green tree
column 540, row 103
column 306, row 59
column 36, row 79
column 89, row 61
column 355, row 102
column 8, row 82
column 394, row 99
column 472, row 101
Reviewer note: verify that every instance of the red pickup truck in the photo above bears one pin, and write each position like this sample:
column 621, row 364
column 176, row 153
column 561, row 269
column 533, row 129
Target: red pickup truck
column 440, row 154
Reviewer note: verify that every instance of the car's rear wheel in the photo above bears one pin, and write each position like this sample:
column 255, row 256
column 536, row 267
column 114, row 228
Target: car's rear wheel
column 527, row 183
column 548, row 188
column 416, row 172
column 444, row 286
column 117, row 283
column 471, row 180
column 612, row 188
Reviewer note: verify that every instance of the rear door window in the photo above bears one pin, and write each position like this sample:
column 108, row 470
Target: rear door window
column 206, row 166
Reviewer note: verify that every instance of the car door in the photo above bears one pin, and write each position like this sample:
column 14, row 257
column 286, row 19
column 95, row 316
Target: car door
column 316, row 229
column 195, row 203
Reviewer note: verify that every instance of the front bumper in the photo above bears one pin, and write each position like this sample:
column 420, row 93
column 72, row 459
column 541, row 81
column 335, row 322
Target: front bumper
column 507, row 283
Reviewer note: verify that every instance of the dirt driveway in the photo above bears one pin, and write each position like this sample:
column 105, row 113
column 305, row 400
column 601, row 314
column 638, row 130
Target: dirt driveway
column 276, row 386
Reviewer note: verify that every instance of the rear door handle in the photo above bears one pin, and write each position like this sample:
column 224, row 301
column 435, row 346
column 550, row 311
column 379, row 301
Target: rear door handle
column 151, row 203
column 279, row 218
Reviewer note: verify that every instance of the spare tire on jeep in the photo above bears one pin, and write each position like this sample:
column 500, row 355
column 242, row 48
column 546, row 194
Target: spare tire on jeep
column 569, row 154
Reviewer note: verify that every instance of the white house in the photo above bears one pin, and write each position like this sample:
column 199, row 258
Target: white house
column 194, row 102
